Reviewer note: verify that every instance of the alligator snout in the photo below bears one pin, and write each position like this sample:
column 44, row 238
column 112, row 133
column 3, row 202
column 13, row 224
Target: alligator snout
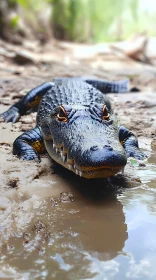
column 104, row 156
column 108, row 147
column 95, row 148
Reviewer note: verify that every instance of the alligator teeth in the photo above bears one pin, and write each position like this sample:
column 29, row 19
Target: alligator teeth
column 77, row 172
column 64, row 158
column 69, row 166
column 80, row 173
column 122, row 170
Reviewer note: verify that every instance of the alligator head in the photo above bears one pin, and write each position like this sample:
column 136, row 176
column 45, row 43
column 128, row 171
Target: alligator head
column 84, row 139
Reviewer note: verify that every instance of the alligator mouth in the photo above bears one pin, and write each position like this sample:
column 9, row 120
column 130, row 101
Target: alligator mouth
column 60, row 155
column 90, row 172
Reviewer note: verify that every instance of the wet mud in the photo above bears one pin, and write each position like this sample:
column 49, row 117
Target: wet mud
column 56, row 225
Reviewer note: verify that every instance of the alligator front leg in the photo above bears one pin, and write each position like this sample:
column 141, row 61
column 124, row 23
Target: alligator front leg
column 130, row 143
column 28, row 145
column 29, row 101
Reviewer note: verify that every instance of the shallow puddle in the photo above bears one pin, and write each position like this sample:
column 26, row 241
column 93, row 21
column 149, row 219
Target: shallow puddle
column 100, row 229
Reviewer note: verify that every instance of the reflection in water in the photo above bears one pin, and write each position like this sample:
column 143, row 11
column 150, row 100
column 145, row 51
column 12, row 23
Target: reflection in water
column 101, row 229
column 98, row 216
column 75, row 236
column 100, row 235
column 83, row 236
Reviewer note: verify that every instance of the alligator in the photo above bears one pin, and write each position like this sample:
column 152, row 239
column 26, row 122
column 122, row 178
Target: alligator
column 77, row 127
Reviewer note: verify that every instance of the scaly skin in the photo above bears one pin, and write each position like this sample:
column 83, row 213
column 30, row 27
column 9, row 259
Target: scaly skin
column 76, row 124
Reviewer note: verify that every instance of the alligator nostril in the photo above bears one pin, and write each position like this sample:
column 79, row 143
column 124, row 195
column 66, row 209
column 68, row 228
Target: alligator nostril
column 94, row 148
column 108, row 147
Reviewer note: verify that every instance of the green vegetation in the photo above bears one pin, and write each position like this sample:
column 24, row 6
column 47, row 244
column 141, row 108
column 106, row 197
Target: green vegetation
column 70, row 19
column 14, row 22
column 80, row 20
column 87, row 20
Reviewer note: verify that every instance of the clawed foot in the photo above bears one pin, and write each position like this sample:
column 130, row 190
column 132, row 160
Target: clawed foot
column 11, row 115
column 24, row 151
column 136, row 153
column 30, row 156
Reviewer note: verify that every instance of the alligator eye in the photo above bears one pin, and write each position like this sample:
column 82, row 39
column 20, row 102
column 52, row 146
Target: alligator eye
column 62, row 115
column 105, row 114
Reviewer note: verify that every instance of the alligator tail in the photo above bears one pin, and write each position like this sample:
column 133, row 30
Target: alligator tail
column 120, row 86
column 109, row 87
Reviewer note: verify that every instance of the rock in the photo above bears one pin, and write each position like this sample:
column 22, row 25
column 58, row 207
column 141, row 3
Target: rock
column 66, row 197
column 13, row 182
column 39, row 225
column 54, row 202
column 23, row 57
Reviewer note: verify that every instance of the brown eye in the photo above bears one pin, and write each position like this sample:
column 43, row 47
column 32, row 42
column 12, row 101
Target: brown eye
column 105, row 114
column 62, row 115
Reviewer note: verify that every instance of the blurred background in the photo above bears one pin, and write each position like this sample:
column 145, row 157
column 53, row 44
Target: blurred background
column 76, row 20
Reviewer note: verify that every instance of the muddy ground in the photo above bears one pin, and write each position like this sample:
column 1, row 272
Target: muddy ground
column 25, row 186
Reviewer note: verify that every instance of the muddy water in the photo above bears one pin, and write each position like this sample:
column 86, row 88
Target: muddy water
column 102, row 229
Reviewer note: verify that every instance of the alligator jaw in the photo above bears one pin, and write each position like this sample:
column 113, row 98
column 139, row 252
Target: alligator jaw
column 98, row 172
column 59, row 154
